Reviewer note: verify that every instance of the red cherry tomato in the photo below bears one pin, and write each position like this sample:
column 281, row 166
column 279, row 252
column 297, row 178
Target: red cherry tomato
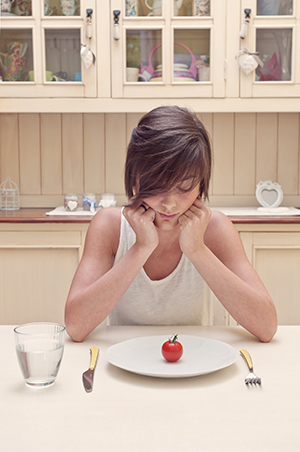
column 172, row 350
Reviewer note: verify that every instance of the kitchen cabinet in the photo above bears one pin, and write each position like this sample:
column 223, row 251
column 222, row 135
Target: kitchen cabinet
column 40, row 46
column 146, row 58
column 274, row 32
column 274, row 252
column 172, row 51
column 37, row 265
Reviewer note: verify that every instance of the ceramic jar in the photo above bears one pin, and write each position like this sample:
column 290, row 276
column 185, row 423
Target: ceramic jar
column 68, row 7
column 6, row 6
column 89, row 201
column 201, row 7
column 71, row 202
column 13, row 61
column 132, row 8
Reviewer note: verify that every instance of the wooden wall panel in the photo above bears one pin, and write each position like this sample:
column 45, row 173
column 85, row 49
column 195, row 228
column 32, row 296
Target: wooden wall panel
column 9, row 147
column 48, row 155
column 51, row 154
column 115, row 152
column 72, row 139
column 244, row 153
column 288, row 158
column 266, row 155
column 223, row 140
column 30, row 153
column 94, row 152
column 207, row 119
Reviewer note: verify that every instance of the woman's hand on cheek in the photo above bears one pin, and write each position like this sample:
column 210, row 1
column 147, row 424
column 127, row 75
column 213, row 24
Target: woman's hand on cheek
column 193, row 224
column 142, row 222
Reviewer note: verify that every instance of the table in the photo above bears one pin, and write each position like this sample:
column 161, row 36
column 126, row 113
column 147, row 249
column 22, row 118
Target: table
column 130, row 412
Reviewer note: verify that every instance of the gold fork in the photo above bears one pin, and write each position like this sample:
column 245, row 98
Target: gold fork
column 251, row 377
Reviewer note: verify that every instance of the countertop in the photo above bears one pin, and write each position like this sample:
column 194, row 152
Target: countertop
column 39, row 216
column 129, row 412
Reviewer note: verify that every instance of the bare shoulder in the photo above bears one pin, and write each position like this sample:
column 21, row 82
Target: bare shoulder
column 104, row 229
column 221, row 236
column 219, row 223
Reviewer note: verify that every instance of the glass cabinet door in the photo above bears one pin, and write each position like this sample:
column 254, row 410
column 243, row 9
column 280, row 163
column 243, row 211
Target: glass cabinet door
column 164, row 48
column 143, row 54
column 67, row 8
column 275, row 48
column 273, row 33
column 274, row 7
column 16, row 55
column 62, row 55
column 40, row 49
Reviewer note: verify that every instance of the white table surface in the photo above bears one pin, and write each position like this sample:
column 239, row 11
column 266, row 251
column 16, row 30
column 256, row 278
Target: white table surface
column 130, row 412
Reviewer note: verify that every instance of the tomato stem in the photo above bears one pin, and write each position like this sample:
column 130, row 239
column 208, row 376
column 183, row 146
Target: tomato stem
column 173, row 338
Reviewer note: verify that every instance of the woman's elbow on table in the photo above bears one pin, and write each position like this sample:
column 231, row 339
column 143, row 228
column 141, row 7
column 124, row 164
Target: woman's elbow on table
column 75, row 331
column 75, row 335
column 268, row 333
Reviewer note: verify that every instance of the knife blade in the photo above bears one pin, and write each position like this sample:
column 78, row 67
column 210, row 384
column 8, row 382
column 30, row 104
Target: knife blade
column 88, row 375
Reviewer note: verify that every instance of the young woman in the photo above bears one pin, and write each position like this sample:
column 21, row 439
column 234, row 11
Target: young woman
column 147, row 263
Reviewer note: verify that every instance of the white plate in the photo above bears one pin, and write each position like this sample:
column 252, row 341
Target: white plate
column 176, row 65
column 143, row 356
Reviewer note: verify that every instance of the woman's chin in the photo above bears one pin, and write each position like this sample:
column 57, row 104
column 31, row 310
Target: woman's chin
column 166, row 225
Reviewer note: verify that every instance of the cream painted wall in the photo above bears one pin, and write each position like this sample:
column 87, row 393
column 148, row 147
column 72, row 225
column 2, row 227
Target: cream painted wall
column 50, row 154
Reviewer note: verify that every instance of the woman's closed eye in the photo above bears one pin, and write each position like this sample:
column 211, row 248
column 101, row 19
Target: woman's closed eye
column 185, row 187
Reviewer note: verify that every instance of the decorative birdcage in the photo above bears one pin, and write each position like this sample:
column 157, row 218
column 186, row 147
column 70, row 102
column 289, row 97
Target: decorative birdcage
column 9, row 195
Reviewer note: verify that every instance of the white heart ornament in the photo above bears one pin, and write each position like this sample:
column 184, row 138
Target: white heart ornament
column 87, row 57
column 269, row 194
column 247, row 63
column 72, row 205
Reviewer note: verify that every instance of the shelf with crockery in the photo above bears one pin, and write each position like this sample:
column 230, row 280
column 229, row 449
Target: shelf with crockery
column 41, row 45
column 150, row 52
column 273, row 31
column 166, row 49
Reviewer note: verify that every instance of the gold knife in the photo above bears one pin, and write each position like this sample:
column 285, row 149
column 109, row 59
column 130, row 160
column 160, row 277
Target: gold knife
column 88, row 375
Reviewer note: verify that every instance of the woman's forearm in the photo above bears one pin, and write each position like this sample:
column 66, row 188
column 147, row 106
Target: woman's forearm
column 251, row 307
column 87, row 308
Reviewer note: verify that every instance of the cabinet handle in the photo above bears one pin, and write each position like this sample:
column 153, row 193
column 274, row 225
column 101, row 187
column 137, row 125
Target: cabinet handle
column 88, row 31
column 116, row 13
column 243, row 31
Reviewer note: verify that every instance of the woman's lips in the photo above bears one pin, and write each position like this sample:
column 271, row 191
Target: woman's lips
column 165, row 216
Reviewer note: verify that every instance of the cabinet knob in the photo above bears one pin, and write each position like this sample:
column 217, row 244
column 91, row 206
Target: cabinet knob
column 88, row 31
column 116, row 14
column 243, row 31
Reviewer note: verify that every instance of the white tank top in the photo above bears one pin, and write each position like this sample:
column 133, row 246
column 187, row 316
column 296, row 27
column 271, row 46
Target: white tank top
column 177, row 299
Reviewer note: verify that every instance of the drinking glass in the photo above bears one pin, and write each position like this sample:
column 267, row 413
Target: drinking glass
column 39, row 348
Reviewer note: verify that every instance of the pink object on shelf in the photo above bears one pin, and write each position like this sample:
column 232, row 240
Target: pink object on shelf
column 147, row 71
column 272, row 69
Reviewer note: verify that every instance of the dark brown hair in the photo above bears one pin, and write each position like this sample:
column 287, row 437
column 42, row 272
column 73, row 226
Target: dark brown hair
column 169, row 145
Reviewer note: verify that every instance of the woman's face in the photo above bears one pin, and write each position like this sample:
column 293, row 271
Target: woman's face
column 169, row 206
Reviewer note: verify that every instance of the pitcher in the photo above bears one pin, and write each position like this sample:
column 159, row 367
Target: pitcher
column 68, row 7
column 13, row 61
column 177, row 6
column 157, row 7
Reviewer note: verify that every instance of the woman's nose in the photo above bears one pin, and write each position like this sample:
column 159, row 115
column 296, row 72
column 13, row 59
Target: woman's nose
column 169, row 200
